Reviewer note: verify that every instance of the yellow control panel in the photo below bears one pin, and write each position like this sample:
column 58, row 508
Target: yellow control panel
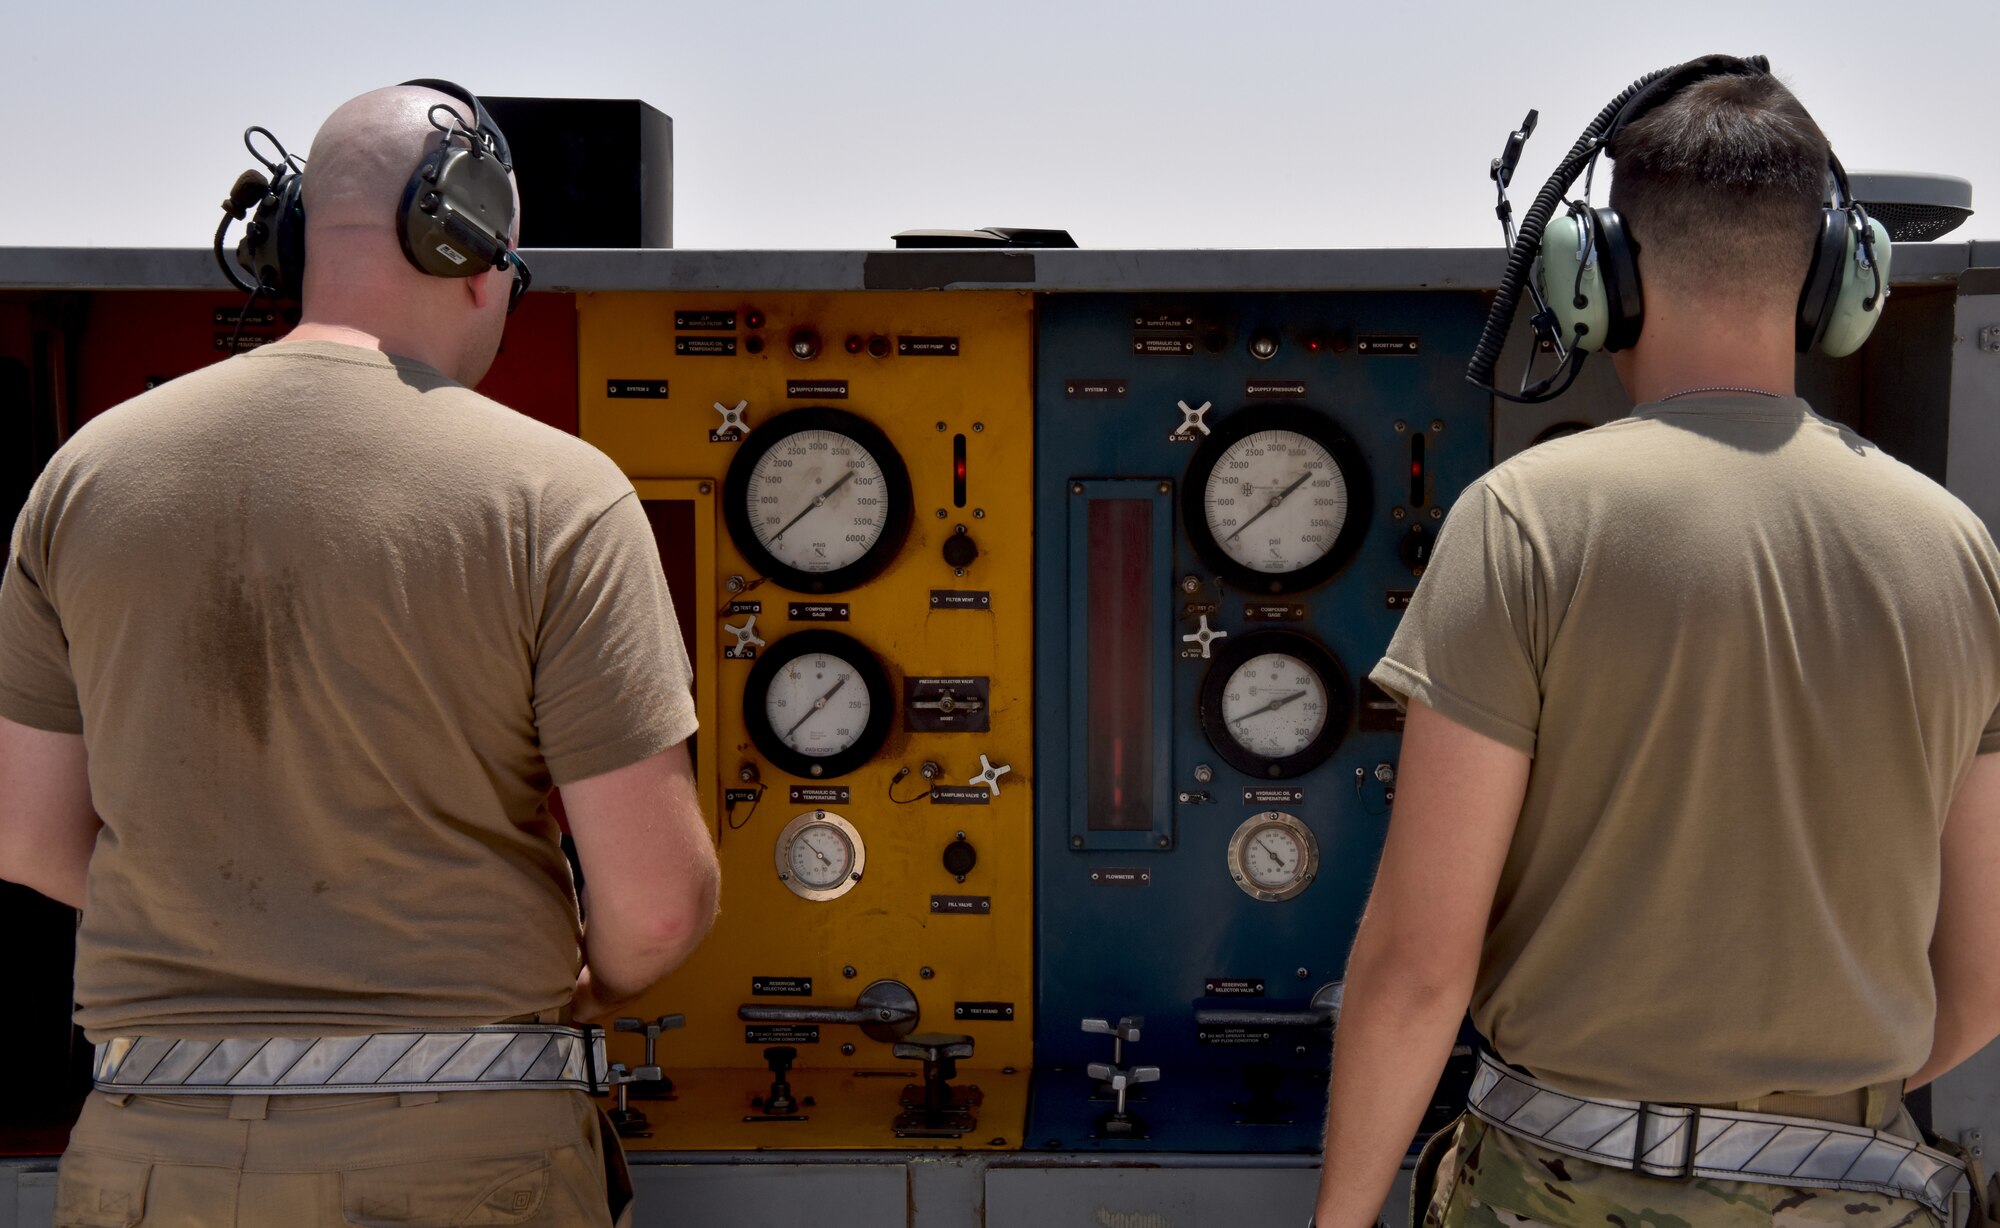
column 841, row 486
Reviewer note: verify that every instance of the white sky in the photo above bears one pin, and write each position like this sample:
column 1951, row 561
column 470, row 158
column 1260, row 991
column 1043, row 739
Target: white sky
column 834, row 125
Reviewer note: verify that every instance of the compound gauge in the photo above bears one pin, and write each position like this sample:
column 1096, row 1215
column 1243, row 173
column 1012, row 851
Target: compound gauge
column 1275, row 704
column 818, row 704
column 1276, row 499
column 817, row 500
column 820, row 855
column 1273, row 856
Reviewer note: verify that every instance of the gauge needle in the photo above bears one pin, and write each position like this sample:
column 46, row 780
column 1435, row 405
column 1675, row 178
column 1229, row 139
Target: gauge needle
column 823, row 859
column 1277, row 853
column 1276, row 499
column 818, row 704
column 819, row 500
column 1273, row 706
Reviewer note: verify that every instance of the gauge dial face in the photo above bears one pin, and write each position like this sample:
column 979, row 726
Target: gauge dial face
column 1273, row 856
column 820, row 855
column 818, row 501
column 818, row 705
column 1276, row 501
column 1274, row 705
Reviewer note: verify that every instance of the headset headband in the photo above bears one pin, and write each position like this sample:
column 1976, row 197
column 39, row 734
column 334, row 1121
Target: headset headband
column 1664, row 87
column 482, row 122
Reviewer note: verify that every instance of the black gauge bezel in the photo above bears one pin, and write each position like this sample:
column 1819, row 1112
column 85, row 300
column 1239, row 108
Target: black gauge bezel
column 867, row 667
column 1323, row 431
column 768, row 435
column 1231, row 655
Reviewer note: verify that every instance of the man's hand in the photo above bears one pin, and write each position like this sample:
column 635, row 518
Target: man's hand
column 48, row 828
column 1416, row 955
column 1968, row 994
column 586, row 1006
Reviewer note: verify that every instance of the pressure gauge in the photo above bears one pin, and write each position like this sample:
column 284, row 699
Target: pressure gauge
column 820, row 855
column 818, row 704
column 1275, row 704
column 1273, row 856
column 1276, row 499
column 817, row 500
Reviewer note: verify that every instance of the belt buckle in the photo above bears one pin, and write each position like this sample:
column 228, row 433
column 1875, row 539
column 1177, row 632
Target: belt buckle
column 1689, row 1144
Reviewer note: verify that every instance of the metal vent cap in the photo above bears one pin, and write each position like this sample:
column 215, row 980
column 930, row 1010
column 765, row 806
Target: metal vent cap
column 1913, row 206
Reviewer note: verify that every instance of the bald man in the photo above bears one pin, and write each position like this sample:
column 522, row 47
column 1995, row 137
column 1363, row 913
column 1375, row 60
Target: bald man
column 292, row 652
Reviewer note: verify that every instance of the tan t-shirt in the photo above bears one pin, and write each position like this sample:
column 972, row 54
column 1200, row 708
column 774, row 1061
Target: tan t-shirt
column 1752, row 657
column 332, row 625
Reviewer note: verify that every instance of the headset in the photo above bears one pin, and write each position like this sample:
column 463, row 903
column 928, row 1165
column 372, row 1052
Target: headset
column 1582, row 269
column 452, row 219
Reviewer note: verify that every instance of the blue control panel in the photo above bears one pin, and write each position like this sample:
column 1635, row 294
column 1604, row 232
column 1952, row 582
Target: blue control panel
column 1235, row 496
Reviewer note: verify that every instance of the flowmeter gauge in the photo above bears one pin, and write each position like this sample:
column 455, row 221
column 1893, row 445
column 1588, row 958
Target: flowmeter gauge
column 1273, row 856
column 818, row 704
column 820, row 855
column 1276, row 499
column 818, row 500
column 1275, row 704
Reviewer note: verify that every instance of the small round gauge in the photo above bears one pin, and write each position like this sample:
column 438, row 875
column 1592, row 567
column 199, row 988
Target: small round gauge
column 820, row 855
column 817, row 500
column 1276, row 499
column 817, row 704
column 1275, row 704
column 1273, row 856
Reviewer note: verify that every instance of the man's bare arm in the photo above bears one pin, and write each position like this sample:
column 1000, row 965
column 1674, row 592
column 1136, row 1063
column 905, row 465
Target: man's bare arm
column 1968, row 988
column 48, row 827
column 1416, row 954
column 651, row 873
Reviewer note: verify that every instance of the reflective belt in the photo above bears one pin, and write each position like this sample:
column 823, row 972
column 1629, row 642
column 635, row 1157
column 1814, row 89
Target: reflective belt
column 511, row 1057
column 1727, row 1144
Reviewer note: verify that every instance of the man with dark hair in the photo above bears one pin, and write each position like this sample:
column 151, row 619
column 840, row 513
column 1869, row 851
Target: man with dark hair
column 1699, row 804
column 313, row 632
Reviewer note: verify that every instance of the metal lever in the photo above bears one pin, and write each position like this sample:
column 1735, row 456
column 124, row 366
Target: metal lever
column 1122, row 1079
column 658, row 1086
column 1127, row 1028
column 885, row 1011
column 1322, row 1012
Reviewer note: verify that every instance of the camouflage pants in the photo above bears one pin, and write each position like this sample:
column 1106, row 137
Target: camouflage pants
column 1487, row 1178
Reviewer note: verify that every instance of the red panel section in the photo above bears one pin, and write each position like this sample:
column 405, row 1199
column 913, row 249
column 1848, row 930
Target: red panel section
column 135, row 336
column 536, row 370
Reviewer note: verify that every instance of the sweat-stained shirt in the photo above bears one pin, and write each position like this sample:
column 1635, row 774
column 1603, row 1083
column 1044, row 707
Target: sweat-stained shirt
column 332, row 626
column 1752, row 656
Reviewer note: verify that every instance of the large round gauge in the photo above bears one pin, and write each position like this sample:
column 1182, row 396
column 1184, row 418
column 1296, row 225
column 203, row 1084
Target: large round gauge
column 818, row 704
column 1276, row 499
column 1275, row 704
column 817, row 500
column 1273, row 856
column 820, row 855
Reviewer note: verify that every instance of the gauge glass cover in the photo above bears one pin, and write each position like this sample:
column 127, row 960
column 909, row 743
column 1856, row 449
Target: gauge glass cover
column 818, row 705
column 818, row 501
column 1276, row 501
column 1273, row 856
column 820, row 856
column 1274, row 705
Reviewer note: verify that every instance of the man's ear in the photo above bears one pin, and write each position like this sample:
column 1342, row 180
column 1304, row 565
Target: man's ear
column 480, row 287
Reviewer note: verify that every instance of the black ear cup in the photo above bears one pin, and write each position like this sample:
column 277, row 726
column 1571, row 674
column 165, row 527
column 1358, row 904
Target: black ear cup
column 273, row 248
column 455, row 213
column 1822, row 286
column 1618, row 265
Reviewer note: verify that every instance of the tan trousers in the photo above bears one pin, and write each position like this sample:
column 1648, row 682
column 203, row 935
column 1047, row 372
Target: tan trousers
column 418, row 1160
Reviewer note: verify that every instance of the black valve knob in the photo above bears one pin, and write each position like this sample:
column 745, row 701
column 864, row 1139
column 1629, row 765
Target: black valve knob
column 1264, row 345
column 780, row 1058
column 960, row 550
column 1415, row 549
column 960, row 857
column 805, row 343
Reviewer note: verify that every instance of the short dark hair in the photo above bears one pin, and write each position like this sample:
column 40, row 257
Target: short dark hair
column 1721, row 188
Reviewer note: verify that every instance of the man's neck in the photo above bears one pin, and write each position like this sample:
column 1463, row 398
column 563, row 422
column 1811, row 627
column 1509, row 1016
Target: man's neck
column 388, row 339
column 1683, row 348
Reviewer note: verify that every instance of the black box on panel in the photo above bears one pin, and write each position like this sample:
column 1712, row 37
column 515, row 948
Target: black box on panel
column 594, row 172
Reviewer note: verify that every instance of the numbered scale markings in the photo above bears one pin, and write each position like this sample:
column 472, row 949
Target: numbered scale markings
column 817, row 500
column 818, row 704
column 1275, row 704
column 1273, row 856
column 1276, row 500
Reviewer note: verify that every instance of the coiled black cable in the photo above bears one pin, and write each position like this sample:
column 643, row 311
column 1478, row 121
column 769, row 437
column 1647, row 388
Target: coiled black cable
column 1528, row 240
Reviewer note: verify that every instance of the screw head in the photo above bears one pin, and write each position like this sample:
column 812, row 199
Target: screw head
column 1437, row 424
column 847, row 1050
column 1165, row 842
column 1302, row 974
column 705, row 488
column 1397, row 513
column 1166, row 488
column 1076, row 842
column 941, row 428
column 979, row 513
column 926, row 973
column 1401, row 426
column 1437, row 513
column 848, row 972
column 978, row 427
column 941, row 513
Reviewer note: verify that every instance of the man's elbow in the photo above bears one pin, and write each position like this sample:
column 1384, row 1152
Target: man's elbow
column 685, row 917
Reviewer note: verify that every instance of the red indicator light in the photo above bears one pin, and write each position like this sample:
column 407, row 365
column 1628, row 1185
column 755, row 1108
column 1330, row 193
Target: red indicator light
column 1416, row 469
column 753, row 319
column 854, row 344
